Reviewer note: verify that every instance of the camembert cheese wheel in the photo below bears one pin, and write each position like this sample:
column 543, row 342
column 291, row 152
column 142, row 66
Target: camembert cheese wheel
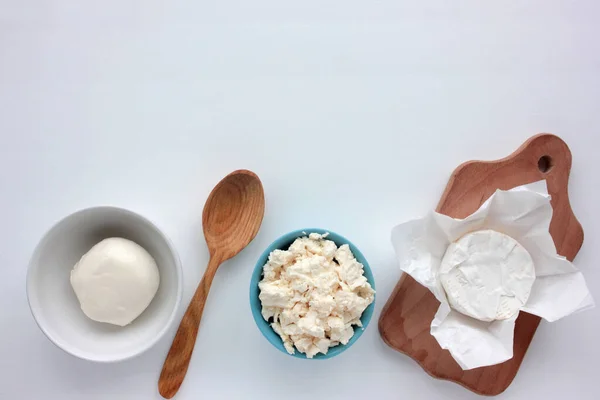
column 487, row 275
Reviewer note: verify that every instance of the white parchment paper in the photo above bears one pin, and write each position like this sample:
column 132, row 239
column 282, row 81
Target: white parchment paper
column 524, row 213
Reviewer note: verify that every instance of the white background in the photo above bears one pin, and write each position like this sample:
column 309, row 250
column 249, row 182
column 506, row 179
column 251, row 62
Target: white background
column 353, row 113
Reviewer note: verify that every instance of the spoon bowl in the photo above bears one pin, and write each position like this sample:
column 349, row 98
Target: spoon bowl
column 233, row 213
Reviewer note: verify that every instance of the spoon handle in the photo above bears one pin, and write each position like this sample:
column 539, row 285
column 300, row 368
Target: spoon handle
column 178, row 359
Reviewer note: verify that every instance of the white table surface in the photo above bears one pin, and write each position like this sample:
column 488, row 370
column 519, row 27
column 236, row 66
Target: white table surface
column 353, row 114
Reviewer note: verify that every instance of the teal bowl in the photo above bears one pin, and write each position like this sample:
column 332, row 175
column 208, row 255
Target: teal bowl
column 283, row 243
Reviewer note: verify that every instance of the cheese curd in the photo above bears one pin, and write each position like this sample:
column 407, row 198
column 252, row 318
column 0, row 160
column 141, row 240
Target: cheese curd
column 313, row 294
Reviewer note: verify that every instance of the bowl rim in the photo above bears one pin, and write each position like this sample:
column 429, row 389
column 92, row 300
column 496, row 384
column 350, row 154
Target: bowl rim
column 257, row 274
column 178, row 271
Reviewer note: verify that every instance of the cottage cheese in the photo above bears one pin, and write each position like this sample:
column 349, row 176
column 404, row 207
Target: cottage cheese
column 487, row 275
column 313, row 294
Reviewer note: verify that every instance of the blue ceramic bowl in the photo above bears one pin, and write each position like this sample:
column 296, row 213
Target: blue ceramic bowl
column 283, row 243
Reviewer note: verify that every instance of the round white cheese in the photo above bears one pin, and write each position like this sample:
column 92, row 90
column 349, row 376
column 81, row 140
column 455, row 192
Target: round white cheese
column 115, row 281
column 487, row 275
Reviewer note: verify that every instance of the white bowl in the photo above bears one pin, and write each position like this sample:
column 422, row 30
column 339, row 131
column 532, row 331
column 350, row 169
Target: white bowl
column 56, row 308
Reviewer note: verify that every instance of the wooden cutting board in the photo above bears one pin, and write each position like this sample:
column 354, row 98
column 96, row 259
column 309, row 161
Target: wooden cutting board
column 406, row 318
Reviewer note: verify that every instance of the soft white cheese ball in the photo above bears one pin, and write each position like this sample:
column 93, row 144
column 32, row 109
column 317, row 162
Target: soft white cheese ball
column 487, row 275
column 115, row 281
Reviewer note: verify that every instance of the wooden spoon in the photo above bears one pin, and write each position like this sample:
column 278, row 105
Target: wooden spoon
column 231, row 219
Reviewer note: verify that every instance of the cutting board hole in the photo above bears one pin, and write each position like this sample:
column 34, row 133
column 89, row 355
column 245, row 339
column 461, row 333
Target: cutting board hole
column 545, row 164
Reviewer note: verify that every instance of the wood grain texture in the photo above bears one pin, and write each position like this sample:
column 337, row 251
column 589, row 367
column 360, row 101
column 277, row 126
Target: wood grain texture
column 231, row 218
column 406, row 318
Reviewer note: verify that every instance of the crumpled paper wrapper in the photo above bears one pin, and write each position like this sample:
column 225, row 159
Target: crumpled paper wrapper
column 524, row 213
